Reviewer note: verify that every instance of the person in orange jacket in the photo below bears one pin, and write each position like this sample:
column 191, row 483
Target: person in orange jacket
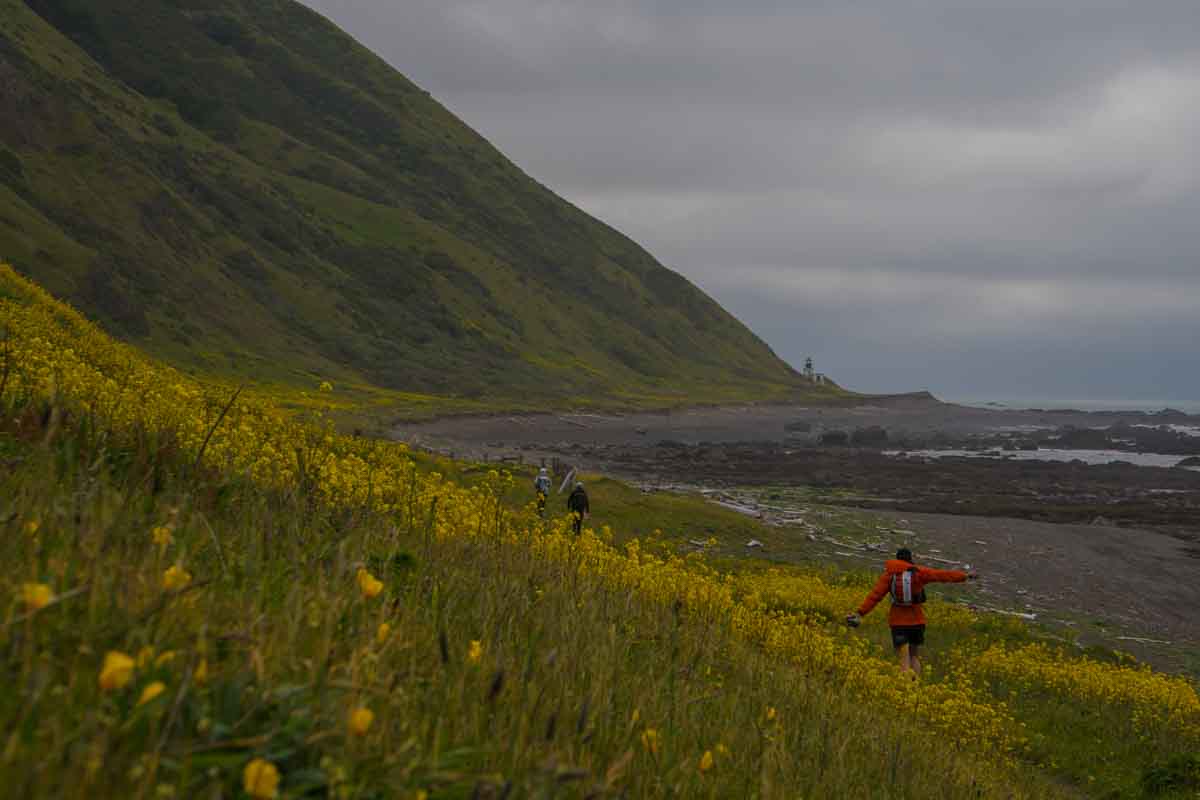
column 906, row 582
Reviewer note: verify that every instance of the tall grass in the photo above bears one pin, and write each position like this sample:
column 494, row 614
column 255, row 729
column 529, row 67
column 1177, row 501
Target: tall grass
column 498, row 674
column 206, row 594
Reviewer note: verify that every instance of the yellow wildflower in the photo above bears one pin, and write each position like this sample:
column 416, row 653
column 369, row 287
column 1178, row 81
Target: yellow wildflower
column 162, row 536
column 32, row 526
column 771, row 713
column 706, row 761
column 325, row 386
column 200, row 673
column 260, row 779
column 36, row 596
column 368, row 584
column 176, row 578
column 381, row 635
column 152, row 691
column 166, row 658
column 475, row 651
column 117, row 670
column 145, row 656
column 650, row 740
column 360, row 721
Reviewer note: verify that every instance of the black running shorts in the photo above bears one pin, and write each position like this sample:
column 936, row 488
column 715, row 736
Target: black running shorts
column 908, row 634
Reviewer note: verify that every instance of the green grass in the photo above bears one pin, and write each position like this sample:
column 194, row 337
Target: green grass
column 571, row 673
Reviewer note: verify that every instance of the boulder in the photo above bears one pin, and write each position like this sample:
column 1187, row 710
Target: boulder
column 835, row 437
column 870, row 436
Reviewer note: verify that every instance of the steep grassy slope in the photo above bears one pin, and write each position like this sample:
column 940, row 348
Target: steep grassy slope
column 240, row 186
column 196, row 587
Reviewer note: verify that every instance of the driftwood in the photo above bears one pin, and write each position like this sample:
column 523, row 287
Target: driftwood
column 747, row 510
column 1029, row 615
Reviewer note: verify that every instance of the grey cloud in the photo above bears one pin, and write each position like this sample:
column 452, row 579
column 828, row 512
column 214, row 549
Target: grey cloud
column 982, row 182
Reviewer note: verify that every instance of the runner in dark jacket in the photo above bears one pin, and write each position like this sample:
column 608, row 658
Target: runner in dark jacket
column 577, row 504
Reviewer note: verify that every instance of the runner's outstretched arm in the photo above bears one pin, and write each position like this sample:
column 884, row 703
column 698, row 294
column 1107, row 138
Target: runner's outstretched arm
column 929, row 575
column 876, row 594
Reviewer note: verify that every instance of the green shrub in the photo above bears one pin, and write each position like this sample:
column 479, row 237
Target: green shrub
column 1177, row 774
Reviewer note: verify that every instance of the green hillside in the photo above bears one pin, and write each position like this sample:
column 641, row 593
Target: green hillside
column 241, row 188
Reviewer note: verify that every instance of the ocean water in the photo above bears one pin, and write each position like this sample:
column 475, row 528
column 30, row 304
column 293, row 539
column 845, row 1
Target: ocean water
column 1080, row 403
column 1047, row 454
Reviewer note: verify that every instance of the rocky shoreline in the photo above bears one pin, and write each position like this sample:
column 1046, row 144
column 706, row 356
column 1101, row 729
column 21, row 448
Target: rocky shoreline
column 863, row 455
column 1042, row 530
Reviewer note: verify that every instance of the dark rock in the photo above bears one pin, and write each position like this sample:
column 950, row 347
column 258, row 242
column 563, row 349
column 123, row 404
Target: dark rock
column 873, row 435
column 835, row 437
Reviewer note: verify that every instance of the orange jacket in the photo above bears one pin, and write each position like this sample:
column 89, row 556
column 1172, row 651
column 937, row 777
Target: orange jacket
column 906, row 615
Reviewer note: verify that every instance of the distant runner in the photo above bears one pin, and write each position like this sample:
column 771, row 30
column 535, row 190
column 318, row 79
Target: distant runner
column 577, row 504
column 541, row 485
column 905, row 583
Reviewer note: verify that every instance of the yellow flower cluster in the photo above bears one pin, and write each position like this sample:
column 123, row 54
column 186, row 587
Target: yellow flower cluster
column 260, row 779
column 809, row 594
column 368, row 584
column 359, row 721
column 162, row 536
column 152, row 691
column 1157, row 703
column 176, row 578
column 36, row 596
column 116, row 671
column 55, row 353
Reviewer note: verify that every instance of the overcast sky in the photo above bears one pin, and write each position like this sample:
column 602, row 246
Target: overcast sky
column 985, row 199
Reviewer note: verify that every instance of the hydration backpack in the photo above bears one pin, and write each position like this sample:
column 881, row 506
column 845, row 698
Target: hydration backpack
column 907, row 589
